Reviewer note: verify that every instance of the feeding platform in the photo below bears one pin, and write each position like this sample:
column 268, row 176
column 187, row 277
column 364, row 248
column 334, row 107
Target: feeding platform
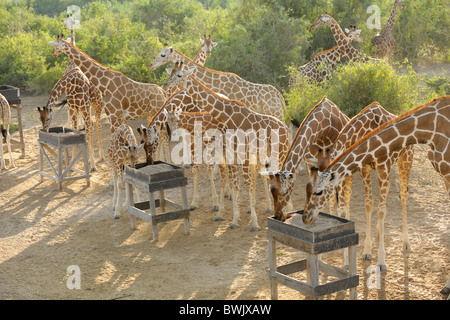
column 156, row 178
column 327, row 233
column 12, row 95
column 61, row 138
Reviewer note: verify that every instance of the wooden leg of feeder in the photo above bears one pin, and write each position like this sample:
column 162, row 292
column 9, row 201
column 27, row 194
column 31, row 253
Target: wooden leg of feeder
column 352, row 270
column 59, row 178
column 86, row 165
column 162, row 201
column 273, row 267
column 312, row 269
column 187, row 229
column 153, row 214
column 41, row 162
column 129, row 193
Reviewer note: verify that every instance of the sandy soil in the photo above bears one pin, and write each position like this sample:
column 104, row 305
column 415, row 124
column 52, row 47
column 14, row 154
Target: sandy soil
column 44, row 231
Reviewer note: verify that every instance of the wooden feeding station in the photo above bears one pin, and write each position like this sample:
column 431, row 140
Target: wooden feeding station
column 12, row 95
column 155, row 178
column 62, row 139
column 327, row 233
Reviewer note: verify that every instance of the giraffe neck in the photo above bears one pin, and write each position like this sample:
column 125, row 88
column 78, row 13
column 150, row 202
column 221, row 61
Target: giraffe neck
column 346, row 49
column 201, row 57
column 72, row 36
column 325, row 120
column 98, row 74
column 390, row 23
column 64, row 85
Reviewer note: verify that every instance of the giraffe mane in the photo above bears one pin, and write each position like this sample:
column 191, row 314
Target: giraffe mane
column 300, row 128
column 382, row 127
column 221, row 97
column 324, row 51
column 345, row 36
column 196, row 113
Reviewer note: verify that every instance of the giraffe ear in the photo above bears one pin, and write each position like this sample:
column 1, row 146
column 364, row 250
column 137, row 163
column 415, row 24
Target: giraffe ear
column 214, row 44
column 52, row 43
column 189, row 72
column 169, row 71
column 346, row 30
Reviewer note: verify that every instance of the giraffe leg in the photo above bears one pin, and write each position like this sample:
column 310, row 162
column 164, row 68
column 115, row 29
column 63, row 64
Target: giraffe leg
column 90, row 136
column 233, row 174
column 98, row 124
column 268, row 196
column 446, row 289
column 366, row 174
column 3, row 166
column 383, row 183
column 195, row 196
column 215, row 197
column 223, row 186
column 251, row 185
column 404, row 171
column 8, row 143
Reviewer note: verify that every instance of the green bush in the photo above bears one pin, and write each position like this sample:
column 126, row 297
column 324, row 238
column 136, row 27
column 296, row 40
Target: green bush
column 356, row 85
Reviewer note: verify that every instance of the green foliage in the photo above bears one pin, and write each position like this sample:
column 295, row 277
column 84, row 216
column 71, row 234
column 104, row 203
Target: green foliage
column 356, row 85
column 258, row 39
column 438, row 84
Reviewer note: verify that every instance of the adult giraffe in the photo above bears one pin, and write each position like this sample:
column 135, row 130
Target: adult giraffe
column 427, row 124
column 125, row 99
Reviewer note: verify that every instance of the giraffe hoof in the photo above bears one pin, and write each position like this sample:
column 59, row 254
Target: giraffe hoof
column 253, row 229
column 116, row 216
column 219, row 219
column 192, row 207
column 215, row 208
column 445, row 291
column 268, row 210
column 234, row 226
column 367, row 257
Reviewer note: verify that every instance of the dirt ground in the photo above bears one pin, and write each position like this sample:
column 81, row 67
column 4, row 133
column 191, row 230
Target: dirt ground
column 44, row 231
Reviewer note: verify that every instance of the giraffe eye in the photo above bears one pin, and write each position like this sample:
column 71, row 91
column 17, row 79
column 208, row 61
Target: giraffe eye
column 163, row 55
column 318, row 193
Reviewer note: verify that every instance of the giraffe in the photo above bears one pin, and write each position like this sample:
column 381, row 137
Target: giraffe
column 427, row 124
column 237, row 117
column 370, row 118
column 122, row 148
column 321, row 65
column 5, row 116
column 346, row 49
column 322, row 125
column 261, row 98
column 383, row 41
column 81, row 94
column 150, row 141
column 125, row 99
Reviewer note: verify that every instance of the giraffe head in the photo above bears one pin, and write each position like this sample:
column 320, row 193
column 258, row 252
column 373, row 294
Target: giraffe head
column 58, row 46
column 323, row 20
column 132, row 153
column 399, row 3
column 315, row 201
column 281, row 186
column 46, row 117
column 353, row 34
column 149, row 141
column 165, row 55
column 207, row 45
column 178, row 77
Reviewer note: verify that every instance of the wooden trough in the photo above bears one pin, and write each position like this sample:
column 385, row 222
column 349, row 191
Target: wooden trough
column 12, row 95
column 61, row 139
column 156, row 178
column 327, row 234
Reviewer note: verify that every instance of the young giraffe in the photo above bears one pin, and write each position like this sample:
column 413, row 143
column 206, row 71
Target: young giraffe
column 321, row 65
column 205, row 51
column 80, row 93
column 236, row 116
column 122, row 148
column 370, row 118
column 261, row 98
column 5, row 117
column 384, row 42
column 124, row 98
column 347, row 50
column 427, row 124
column 318, row 131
